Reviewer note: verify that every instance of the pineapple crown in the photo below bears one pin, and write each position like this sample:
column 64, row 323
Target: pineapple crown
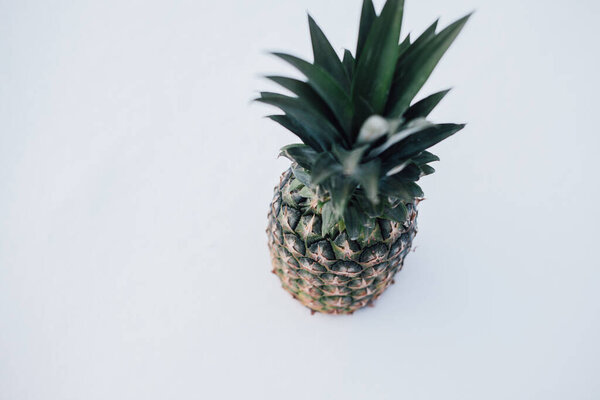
column 364, row 144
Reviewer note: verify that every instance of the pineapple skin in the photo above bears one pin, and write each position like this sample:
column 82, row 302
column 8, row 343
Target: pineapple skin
column 332, row 274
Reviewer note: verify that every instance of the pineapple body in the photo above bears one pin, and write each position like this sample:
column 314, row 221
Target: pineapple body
column 344, row 215
column 332, row 273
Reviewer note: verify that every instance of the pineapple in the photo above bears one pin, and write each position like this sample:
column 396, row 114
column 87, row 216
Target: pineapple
column 344, row 214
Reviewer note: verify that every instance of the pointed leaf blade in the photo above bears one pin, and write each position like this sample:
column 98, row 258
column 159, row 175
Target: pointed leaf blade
column 417, row 68
column 325, row 56
column 410, row 50
column 297, row 129
column 375, row 69
column 340, row 188
column 397, row 213
column 326, row 86
column 403, row 46
column 301, row 154
column 329, row 218
column 417, row 143
column 305, row 115
column 302, row 175
column 356, row 222
column 423, row 108
column 426, row 169
column 304, row 91
column 367, row 176
column 324, row 167
column 368, row 16
column 425, row 158
column 350, row 159
column 348, row 62
column 406, row 191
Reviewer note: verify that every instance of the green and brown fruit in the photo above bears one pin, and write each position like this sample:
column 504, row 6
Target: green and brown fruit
column 344, row 215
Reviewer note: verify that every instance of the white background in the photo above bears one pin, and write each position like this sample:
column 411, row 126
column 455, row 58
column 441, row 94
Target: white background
column 135, row 177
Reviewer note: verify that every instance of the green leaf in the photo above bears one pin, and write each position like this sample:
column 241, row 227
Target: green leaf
column 304, row 91
column 340, row 188
column 350, row 159
column 405, row 54
column 416, row 143
column 424, row 37
column 325, row 56
column 296, row 128
column 373, row 210
column 423, row 108
column 324, row 166
column 302, row 175
column 368, row 16
column 308, row 96
column 329, row 218
column 397, row 213
column 417, row 66
column 426, row 170
column 349, row 64
column 425, row 157
column 375, row 69
column 368, row 176
column 326, row 86
column 410, row 173
column 392, row 170
column 412, row 128
column 357, row 222
column 364, row 107
column 403, row 46
column 397, row 187
column 305, row 191
column 301, row 154
column 304, row 114
column 415, row 190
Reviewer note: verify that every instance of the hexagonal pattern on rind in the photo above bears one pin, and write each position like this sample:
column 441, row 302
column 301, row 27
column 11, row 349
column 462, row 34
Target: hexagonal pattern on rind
column 333, row 275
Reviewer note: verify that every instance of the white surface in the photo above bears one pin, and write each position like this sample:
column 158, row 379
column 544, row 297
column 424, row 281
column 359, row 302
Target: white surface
column 135, row 179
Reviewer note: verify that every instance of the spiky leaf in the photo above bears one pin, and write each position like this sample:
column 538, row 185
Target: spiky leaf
column 325, row 56
column 348, row 62
column 415, row 144
column 418, row 67
column 357, row 222
column 301, row 154
column 315, row 125
column 325, row 165
column 368, row 16
column 400, row 134
column 403, row 46
column 375, row 69
column 423, row 108
column 296, row 128
column 426, row 169
column 397, row 213
column 368, row 177
column 340, row 188
column 410, row 173
column 416, row 45
column 302, row 175
column 326, row 86
column 329, row 218
column 425, row 157
column 305, row 92
column 349, row 158
column 398, row 187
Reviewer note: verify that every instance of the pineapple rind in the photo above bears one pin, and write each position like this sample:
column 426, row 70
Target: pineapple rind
column 332, row 274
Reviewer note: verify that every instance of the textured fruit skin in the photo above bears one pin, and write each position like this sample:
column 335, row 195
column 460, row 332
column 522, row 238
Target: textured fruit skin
column 332, row 274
